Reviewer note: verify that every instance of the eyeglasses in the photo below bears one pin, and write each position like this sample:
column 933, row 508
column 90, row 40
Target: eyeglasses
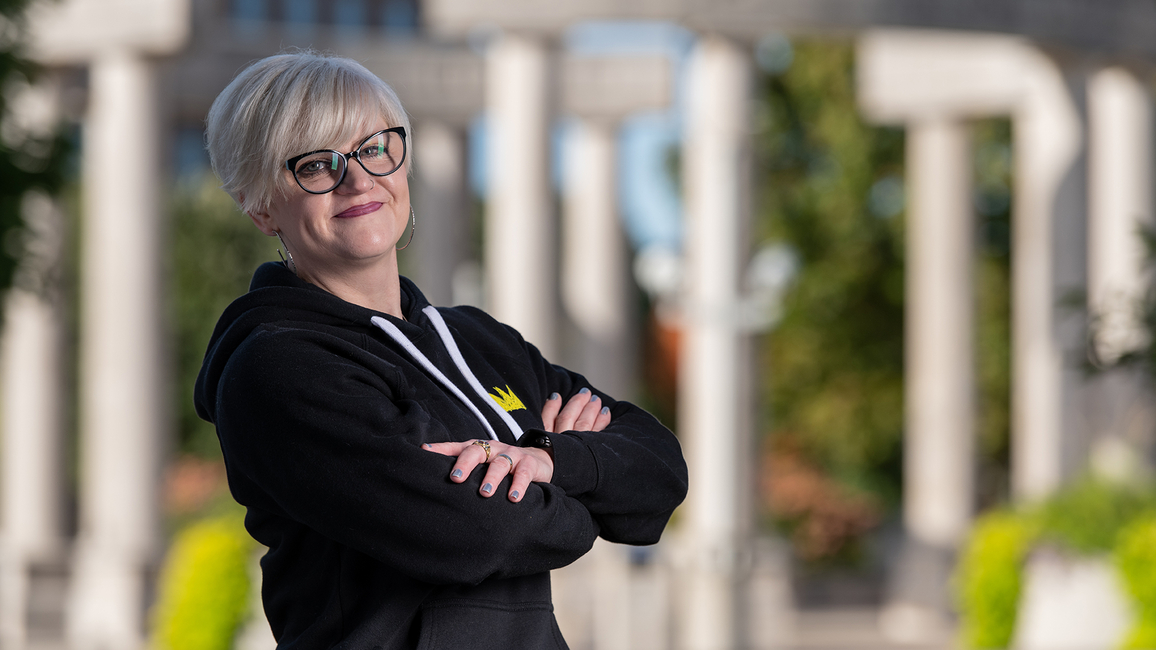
column 321, row 171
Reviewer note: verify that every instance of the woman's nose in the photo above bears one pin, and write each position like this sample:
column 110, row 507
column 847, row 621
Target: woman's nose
column 356, row 180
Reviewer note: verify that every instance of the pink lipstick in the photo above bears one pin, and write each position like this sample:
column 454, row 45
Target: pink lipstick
column 358, row 210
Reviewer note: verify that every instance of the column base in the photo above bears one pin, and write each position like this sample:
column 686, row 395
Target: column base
column 107, row 600
column 918, row 608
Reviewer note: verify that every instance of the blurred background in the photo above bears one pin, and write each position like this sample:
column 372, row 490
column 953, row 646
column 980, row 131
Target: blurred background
column 884, row 266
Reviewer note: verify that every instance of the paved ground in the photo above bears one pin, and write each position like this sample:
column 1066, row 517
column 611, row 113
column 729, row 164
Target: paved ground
column 852, row 628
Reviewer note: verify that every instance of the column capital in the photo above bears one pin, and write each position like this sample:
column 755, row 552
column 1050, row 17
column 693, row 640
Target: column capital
column 74, row 31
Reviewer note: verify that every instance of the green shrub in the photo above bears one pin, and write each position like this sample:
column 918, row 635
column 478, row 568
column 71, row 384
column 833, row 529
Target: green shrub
column 204, row 586
column 1087, row 516
column 988, row 578
column 1135, row 557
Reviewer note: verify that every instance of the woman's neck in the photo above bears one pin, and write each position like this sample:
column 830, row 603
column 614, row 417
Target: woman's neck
column 376, row 287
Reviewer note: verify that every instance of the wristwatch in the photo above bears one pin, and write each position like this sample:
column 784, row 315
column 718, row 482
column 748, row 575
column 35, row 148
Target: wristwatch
column 538, row 440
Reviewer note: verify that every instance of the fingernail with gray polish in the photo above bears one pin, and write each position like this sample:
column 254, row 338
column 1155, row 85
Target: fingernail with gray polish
column 593, row 398
column 554, row 396
column 584, row 391
column 514, row 495
column 487, row 488
column 605, row 410
column 457, row 473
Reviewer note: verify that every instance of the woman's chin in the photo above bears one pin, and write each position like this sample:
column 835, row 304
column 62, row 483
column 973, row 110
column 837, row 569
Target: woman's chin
column 373, row 254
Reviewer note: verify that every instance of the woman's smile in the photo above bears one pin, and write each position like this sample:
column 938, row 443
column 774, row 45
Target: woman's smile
column 358, row 210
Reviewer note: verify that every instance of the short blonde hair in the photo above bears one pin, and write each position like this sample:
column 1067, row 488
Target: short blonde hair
column 288, row 104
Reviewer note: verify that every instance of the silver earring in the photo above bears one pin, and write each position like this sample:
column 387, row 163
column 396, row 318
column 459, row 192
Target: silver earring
column 412, row 228
column 288, row 262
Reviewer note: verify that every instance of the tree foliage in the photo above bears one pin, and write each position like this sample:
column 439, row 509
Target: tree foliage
column 831, row 191
column 216, row 248
column 831, row 188
column 31, row 159
column 993, row 181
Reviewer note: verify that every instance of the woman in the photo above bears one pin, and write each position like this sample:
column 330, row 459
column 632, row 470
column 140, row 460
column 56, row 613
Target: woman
column 415, row 472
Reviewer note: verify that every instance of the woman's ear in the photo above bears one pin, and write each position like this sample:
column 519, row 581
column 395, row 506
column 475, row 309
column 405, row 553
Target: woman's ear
column 263, row 220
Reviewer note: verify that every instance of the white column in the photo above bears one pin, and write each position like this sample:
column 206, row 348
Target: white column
column 611, row 605
column 1120, row 172
column 32, row 483
column 713, row 377
column 442, row 209
column 1120, row 203
column 938, row 460
column 1048, row 204
column 595, row 276
column 519, row 231
column 940, row 417
column 121, row 385
column 33, row 462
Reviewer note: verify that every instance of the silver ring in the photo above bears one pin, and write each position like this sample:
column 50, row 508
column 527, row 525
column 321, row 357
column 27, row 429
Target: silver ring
column 511, row 460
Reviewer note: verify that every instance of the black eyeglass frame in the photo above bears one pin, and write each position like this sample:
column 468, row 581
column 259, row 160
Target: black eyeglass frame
column 400, row 130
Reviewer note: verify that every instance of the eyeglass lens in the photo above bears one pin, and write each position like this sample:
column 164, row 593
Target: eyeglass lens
column 322, row 171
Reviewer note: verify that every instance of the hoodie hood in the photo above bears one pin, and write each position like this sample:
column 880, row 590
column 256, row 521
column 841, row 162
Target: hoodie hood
column 276, row 294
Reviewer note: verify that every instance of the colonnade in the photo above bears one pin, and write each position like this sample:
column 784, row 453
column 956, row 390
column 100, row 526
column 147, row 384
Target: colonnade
column 123, row 416
column 123, row 388
column 1071, row 129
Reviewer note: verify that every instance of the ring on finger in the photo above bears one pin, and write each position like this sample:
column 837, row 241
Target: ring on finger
column 486, row 447
column 510, row 460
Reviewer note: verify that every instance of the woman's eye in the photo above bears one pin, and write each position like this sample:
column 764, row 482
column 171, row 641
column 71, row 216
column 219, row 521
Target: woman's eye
column 373, row 151
column 315, row 166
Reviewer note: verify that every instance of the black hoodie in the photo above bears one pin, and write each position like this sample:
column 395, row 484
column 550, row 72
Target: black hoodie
column 321, row 414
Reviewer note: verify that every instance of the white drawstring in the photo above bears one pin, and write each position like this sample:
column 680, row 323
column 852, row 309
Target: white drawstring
column 402, row 340
column 460, row 362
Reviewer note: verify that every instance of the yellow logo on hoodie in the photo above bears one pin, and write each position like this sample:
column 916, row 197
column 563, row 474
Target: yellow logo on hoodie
column 507, row 399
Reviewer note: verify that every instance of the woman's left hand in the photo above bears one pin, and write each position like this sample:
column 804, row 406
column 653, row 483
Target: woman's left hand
column 526, row 464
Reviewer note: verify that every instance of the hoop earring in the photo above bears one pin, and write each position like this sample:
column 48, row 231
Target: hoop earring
column 412, row 229
column 288, row 262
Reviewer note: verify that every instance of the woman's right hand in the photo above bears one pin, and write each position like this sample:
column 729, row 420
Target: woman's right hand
column 583, row 412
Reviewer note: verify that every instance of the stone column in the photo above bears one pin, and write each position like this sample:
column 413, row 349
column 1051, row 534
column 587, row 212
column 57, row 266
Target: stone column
column 33, row 462
column 940, row 414
column 1047, row 271
column 442, row 209
column 122, row 391
column 714, row 400
column 519, row 230
column 1120, row 176
column 1120, row 172
column 595, row 275
column 34, row 402
column 938, row 461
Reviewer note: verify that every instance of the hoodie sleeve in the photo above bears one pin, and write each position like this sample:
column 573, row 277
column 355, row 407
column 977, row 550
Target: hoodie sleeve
column 312, row 434
column 630, row 476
